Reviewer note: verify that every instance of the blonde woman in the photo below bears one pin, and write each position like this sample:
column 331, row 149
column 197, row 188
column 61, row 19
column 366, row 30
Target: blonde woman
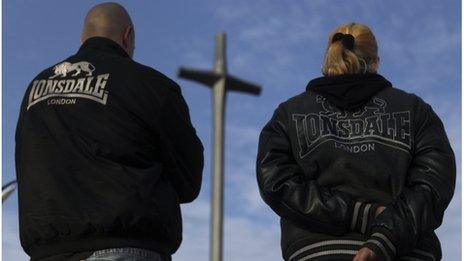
column 356, row 168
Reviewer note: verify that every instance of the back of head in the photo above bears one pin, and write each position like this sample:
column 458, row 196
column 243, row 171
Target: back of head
column 360, row 58
column 112, row 21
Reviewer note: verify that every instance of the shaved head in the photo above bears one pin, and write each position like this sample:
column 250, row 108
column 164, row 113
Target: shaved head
column 112, row 21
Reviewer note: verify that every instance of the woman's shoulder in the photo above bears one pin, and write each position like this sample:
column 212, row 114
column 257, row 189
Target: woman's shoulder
column 409, row 98
column 302, row 97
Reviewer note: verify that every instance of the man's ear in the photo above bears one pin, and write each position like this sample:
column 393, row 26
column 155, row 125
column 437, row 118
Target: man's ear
column 126, row 37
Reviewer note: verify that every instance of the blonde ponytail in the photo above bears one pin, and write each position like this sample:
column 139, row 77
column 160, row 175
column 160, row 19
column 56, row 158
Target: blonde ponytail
column 362, row 58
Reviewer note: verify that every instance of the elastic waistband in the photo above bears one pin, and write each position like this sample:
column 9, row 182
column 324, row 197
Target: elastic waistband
column 94, row 243
column 342, row 249
column 144, row 253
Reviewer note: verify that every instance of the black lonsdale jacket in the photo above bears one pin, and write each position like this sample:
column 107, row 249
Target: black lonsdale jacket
column 105, row 153
column 332, row 155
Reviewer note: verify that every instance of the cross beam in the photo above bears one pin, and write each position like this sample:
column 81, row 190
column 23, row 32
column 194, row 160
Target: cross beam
column 220, row 82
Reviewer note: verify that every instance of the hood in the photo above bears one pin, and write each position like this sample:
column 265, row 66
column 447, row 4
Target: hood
column 349, row 91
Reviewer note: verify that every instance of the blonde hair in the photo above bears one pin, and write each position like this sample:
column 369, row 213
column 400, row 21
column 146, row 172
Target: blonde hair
column 361, row 59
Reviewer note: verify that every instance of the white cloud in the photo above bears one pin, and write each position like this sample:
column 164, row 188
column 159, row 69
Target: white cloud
column 244, row 239
column 449, row 232
column 11, row 248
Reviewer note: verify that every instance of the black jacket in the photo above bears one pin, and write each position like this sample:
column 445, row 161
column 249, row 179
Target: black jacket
column 350, row 143
column 105, row 153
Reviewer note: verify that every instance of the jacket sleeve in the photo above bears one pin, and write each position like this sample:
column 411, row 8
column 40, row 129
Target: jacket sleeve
column 428, row 190
column 182, row 150
column 294, row 193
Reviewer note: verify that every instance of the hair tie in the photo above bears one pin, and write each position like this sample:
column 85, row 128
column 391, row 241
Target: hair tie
column 347, row 40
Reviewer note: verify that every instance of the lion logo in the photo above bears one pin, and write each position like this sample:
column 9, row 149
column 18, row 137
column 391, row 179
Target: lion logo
column 376, row 106
column 64, row 68
column 329, row 109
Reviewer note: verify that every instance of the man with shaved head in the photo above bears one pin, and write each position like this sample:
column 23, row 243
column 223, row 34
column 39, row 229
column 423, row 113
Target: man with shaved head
column 105, row 152
column 110, row 20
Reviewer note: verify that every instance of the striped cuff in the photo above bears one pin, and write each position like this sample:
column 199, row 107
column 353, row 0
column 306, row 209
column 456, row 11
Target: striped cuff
column 363, row 215
column 380, row 242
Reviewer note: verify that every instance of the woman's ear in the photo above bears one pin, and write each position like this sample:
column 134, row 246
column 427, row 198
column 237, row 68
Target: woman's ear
column 375, row 66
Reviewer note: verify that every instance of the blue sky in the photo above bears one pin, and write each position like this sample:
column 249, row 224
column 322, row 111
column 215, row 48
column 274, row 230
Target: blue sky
column 278, row 44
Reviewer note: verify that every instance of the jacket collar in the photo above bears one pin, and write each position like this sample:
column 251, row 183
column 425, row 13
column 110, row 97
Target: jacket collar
column 103, row 44
column 349, row 91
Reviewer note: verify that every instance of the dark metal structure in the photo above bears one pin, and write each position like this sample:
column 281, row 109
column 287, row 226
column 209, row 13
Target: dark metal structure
column 220, row 82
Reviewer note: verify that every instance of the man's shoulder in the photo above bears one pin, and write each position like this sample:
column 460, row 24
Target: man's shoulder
column 48, row 71
column 143, row 75
column 154, row 76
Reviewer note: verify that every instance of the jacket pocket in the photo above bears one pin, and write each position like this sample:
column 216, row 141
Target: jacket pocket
column 157, row 194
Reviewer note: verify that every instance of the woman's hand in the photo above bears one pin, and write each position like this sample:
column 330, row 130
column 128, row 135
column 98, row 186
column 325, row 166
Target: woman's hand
column 365, row 254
